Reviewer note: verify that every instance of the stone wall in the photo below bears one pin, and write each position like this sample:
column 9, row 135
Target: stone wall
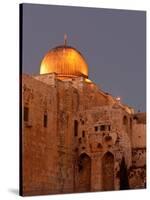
column 137, row 173
column 102, row 131
column 137, row 178
column 139, row 135
column 85, row 129
column 40, row 154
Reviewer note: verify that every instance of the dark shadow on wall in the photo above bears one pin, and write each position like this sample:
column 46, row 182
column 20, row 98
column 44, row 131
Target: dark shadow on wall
column 124, row 183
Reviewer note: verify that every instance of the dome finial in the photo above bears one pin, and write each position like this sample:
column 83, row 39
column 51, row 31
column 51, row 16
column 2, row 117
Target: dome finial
column 65, row 39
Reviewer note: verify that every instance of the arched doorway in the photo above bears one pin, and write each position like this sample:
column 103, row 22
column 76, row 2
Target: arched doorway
column 124, row 184
column 83, row 183
column 108, row 171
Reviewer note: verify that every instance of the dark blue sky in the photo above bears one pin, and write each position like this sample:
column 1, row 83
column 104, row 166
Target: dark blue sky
column 113, row 43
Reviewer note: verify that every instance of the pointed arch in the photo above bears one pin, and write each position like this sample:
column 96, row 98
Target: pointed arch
column 108, row 171
column 83, row 183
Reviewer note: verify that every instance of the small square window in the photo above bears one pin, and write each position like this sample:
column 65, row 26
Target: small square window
column 102, row 127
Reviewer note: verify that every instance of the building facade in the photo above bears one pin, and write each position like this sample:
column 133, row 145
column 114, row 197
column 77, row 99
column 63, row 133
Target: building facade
column 76, row 137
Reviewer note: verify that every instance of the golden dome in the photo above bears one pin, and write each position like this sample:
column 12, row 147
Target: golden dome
column 64, row 61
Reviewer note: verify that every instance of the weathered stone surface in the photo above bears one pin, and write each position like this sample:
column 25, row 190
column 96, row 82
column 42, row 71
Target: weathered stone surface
column 61, row 158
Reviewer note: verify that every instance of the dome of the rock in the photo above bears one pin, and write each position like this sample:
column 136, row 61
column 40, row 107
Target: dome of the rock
column 64, row 61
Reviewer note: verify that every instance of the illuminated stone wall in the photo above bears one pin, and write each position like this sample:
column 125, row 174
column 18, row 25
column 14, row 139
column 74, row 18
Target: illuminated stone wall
column 40, row 146
column 137, row 172
column 84, row 126
column 101, row 130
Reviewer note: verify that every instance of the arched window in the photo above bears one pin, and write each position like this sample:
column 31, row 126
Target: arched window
column 99, row 145
column 83, row 183
column 83, row 133
column 45, row 119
